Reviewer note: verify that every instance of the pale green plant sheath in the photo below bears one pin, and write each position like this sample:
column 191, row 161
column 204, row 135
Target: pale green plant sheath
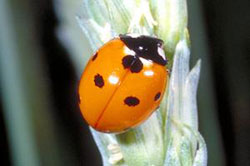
column 170, row 136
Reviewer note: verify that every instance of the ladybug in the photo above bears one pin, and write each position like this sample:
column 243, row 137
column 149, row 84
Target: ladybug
column 123, row 83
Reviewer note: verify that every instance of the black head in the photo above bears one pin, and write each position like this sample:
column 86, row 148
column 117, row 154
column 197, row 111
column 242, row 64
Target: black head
column 146, row 47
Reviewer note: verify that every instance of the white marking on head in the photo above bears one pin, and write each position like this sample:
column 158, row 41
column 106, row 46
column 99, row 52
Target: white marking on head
column 146, row 62
column 148, row 73
column 133, row 35
column 128, row 51
column 113, row 79
column 161, row 53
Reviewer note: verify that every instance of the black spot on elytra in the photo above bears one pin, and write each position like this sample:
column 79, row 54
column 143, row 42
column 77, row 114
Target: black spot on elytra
column 99, row 81
column 157, row 96
column 136, row 66
column 127, row 61
column 132, row 62
column 131, row 101
column 95, row 56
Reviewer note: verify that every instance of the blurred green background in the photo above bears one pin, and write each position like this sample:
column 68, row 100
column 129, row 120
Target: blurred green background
column 40, row 123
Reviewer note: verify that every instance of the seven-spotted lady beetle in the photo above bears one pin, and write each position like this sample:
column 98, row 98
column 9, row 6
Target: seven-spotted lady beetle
column 123, row 83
